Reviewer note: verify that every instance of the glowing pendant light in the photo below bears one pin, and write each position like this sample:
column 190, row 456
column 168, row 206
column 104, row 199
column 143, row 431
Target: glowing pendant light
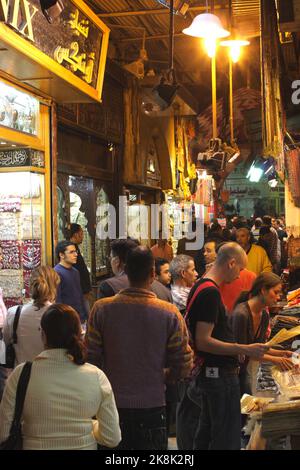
column 235, row 46
column 206, row 25
column 209, row 27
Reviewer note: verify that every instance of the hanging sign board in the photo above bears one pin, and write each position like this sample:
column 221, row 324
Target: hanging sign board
column 72, row 48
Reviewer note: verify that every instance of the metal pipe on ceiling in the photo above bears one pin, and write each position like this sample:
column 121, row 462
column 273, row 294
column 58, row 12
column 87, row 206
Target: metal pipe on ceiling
column 160, row 11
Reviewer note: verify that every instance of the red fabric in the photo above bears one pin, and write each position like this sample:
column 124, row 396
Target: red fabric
column 230, row 292
column 12, row 301
column 31, row 254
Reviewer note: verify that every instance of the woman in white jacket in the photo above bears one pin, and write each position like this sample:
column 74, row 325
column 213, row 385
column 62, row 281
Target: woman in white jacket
column 64, row 392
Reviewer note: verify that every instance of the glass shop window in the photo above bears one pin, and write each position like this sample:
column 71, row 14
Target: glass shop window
column 22, row 232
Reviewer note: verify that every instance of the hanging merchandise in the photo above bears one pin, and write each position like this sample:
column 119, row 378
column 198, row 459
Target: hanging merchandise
column 292, row 163
column 9, row 226
column 11, row 255
column 12, row 301
column 26, row 278
column 272, row 111
column 12, row 204
column 11, row 282
column 31, row 227
column 31, row 254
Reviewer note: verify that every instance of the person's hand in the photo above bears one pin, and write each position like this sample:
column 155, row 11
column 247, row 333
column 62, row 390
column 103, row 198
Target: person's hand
column 256, row 350
column 284, row 363
column 287, row 354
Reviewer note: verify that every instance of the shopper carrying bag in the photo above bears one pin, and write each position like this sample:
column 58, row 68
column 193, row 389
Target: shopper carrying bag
column 15, row 438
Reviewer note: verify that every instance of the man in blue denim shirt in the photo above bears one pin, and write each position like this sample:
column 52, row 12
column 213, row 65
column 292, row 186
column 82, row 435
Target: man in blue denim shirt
column 217, row 382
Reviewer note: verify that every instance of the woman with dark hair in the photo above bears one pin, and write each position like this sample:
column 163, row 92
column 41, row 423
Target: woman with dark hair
column 250, row 324
column 64, row 392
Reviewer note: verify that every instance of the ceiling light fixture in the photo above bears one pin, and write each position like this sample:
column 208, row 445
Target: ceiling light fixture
column 209, row 27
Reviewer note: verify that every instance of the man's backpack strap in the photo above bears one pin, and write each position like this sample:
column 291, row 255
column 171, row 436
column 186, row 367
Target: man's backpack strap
column 201, row 287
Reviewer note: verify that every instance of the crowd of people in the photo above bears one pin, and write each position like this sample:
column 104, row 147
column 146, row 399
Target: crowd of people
column 184, row 331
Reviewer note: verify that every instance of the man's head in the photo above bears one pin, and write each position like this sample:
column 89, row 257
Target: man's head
column 215, row 230
column 210, row 252
column 267, row 220
column 258, row 222
column 119, row 250
column 76, row 234
column 243, row 237
column 265, row 233
column 162, row 271
column 183, row 272
column 66, row 253
column 231, row 260
column 140, row 267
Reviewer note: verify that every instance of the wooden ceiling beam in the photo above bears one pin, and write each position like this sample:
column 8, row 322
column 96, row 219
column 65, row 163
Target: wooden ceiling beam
column 154, row 37
column 159, row 11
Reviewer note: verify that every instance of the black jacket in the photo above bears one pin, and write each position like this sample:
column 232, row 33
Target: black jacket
column 85, row 280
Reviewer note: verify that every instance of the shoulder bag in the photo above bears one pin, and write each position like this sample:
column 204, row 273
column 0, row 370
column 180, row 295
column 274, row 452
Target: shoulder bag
column 15, row 438
column 10, row 349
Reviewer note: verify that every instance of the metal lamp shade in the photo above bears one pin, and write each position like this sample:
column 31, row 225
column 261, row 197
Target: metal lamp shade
column 206, row 25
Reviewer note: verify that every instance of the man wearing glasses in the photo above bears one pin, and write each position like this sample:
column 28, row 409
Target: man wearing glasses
column 69, row 291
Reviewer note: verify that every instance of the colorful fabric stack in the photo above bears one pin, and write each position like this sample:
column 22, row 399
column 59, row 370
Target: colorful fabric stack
column 293, row 298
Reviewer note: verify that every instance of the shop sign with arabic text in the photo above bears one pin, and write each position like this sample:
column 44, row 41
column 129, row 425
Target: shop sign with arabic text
column 77, row 40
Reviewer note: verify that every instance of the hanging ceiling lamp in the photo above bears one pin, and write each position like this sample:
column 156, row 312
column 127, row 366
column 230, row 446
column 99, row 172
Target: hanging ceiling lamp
column 235, row 44
column 208, row 27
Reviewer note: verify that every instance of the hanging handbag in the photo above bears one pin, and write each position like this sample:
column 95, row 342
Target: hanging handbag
column 10, row 348
column 15, row 438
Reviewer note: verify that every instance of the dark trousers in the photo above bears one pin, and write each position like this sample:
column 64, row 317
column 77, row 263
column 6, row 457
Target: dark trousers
column 187, row 420
column 220, row 419
column 143, row 429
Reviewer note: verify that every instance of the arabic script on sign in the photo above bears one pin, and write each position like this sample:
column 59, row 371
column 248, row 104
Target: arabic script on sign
column 83, row 63
column 79, row 27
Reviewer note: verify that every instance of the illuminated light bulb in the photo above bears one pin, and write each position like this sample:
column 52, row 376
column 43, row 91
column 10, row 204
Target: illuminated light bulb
column 235, row 52
column 210, row 46
column 235, row 46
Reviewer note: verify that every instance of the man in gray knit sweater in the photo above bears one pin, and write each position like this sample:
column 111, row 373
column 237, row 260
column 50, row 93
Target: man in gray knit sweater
column 141, row 343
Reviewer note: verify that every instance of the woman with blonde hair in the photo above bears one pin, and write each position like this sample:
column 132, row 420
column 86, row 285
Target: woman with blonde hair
column 43, row 287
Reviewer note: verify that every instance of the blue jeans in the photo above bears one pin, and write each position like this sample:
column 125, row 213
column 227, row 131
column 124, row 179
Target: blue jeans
column 220, row 419
column 143, row 429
